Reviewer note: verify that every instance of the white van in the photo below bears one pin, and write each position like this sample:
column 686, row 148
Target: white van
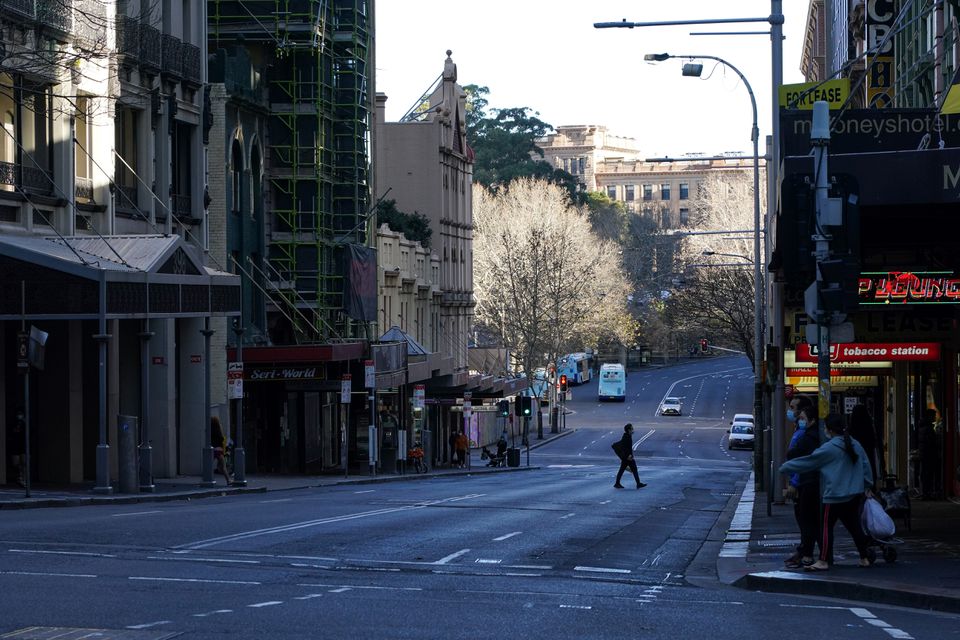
column 613, row 383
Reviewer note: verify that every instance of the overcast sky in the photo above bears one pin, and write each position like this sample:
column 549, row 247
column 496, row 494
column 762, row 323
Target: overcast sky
column 546, row 55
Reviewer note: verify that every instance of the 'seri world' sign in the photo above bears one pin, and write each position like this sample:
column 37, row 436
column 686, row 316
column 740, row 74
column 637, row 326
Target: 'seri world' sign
column 908, row 287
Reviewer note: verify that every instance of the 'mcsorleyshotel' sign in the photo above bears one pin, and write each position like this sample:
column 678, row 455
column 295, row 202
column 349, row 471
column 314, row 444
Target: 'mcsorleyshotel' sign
column 908, row 287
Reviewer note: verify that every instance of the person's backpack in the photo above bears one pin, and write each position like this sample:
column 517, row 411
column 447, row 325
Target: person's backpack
column 618, row 448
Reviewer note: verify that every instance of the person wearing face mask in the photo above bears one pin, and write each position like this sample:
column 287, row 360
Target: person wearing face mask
column 806, row 504
column 845, row 477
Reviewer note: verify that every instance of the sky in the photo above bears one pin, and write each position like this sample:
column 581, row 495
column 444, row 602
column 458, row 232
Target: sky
column 546, row 55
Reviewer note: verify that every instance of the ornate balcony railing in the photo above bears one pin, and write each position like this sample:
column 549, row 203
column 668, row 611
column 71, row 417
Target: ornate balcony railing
column 57, row 14
column 128, row 37
column 20, row 8
column 126, row 197
column 182, row 206
column 36, row 180
column 171, row 56
column 191, row 63
column 149, row 47
column 83, row 189
column 8, row 173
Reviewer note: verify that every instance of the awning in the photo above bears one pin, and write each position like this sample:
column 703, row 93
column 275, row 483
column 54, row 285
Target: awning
column 140, row 276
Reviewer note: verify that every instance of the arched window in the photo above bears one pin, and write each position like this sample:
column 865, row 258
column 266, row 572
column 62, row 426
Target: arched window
column 236, row 177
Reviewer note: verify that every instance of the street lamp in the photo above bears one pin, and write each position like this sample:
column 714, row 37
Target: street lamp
column 692, row 69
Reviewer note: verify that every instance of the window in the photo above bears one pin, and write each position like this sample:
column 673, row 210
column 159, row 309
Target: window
column 648, row 192
column 629, row 194
column 236, row 177
column 612, row 192
column 684, row 190
column 665, row 192
column 684, row 216
column 583, row 164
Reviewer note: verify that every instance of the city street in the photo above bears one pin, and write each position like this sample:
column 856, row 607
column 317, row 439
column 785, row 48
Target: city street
column 552, row 553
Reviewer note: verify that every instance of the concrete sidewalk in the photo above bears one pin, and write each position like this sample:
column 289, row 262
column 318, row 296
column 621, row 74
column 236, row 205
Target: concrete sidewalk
column 925, row 573
column 190, row 487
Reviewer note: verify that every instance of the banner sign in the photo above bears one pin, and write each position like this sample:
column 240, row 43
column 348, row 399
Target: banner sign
column 873, row 352
column 802, row 96
column 235, row 381
column 908, row 287
column 879, row 22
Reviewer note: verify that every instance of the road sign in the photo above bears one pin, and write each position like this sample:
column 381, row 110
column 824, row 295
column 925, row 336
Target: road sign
column 235, row 380
column 419, row 395
column 369, row 374
column 345, row 389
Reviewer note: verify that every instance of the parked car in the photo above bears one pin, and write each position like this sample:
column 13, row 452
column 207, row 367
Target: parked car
column 671, row 407
column 740, row 436
column 742, row 417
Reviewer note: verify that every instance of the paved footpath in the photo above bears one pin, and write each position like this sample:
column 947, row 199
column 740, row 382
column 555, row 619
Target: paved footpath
column 925, row 573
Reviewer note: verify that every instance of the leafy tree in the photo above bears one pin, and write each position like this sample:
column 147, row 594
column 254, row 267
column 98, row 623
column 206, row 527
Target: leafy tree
column 505, row 144
column 608, row 217
column 545, row 283
column 415, row 226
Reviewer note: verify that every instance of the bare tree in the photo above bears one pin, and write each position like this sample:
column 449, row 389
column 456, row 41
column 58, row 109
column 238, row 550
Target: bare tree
column 544, row 282
column 717, row 299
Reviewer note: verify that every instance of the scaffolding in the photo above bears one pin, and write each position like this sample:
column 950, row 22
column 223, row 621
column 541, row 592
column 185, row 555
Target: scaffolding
column 317, row 61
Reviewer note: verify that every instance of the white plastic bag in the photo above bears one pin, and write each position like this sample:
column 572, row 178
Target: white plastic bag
column 876, row 522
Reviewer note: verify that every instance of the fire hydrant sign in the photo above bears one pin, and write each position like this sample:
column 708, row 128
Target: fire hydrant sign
column 235, row 380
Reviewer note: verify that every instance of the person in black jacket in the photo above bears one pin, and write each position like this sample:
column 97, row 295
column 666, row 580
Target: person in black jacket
column 624, row 449
column 862, row 430
column 806, row 507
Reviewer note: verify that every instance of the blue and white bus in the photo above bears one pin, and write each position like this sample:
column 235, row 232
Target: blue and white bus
column 576, row 366
column 613, row 383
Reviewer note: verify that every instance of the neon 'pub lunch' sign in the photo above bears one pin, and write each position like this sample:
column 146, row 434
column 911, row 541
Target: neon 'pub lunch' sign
column 908, row 287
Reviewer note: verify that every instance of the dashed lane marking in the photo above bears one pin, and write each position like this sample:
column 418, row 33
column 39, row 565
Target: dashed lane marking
column 147, row 625
column 601, row 570
column 452, row 556
column 135, row 513
column 269, row 603
column 212, row 613
column 508, row 535
column 346, row 587
column 47, row 574
column 63, row 553
column 198, row 580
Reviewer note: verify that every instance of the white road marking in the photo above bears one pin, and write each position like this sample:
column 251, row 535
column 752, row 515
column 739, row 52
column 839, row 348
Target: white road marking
column 186, row 559
column 452, row 556
column 340, row 590
column 353, row 586
column 367, row 491
column 147, row 625
column 524, row 575
column 508, row 535
column 309, row 596
column 575, row 606
column 136, row 513
column 699, row 375
column 63, row 553
column 277, row 500
column 569, row 515
column 528, row 566
column 210, row 542
column 158, row 579
column 307, row 565
column 212, row 613
column 601, row 570
column 644, row 438
column 487, row 561
column 44, row 573
column 269, row 603
column 606, row 502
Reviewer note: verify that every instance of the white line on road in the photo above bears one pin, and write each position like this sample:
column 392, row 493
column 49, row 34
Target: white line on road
column 156, row 579
column 147, row 625
column 601, row 570
column 212, row 613
column 186, row 559
column 676, row 382
column 44, row 573
column 569, row 515
column 309, row 596
column 508, row 535
column 135, row 513
column 524, row 575
column 488, row 561
column 63, row 553
column 367, row 491
column 575, row 606
column 606, row 502
column 277, row 500
column 353, row 586
column 529, row 566
column 269, row 603
column 452, row 556
column 871, row 619
column 644, row 438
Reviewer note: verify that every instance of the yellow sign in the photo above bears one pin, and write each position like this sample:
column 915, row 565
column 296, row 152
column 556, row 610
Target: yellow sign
column 802, row 96
column 812, row 383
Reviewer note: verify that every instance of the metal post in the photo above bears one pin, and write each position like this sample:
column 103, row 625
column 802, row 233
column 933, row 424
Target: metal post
column 146, row 451
column 773, row 180
column 820, row 139
column 239, row 453
column 102, row 338
column 25, row 463
column 207, row 449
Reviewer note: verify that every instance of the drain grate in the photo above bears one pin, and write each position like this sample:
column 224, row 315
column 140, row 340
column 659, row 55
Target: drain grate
column 69, row 633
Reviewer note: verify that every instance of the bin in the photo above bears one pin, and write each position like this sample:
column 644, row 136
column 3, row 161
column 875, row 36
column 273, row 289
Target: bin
column 513, row 457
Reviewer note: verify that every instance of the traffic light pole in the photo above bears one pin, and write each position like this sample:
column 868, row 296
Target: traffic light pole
column 820, row 139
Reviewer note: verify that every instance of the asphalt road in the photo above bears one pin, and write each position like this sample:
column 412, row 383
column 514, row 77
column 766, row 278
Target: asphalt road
column 553, row 553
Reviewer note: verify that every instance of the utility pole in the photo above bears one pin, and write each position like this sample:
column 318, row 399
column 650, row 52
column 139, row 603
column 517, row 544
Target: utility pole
column 820, row 139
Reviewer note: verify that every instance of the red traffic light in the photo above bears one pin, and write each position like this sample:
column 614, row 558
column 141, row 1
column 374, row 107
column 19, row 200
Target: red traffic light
column 563, row 383
column 703, row 344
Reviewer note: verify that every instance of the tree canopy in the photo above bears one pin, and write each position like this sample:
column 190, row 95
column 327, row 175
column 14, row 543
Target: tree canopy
column 415, row 226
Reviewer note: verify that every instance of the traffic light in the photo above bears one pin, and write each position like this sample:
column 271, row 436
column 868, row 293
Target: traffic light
column 524, row 406
column 703, row 345
column 563, row 383
column 837, row 283
column 503, row 408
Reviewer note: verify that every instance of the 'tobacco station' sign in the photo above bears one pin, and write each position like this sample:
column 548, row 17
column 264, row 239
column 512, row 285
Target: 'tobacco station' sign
column 873, row 352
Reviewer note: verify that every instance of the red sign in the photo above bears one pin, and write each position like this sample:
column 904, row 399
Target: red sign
column 873, row 352
column 908, row 287
column 194, row 359
column 158, row 360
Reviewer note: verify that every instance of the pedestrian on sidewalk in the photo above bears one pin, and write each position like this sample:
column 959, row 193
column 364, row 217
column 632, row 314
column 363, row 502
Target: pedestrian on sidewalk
column 624, row 450
column 463, row 443
column 805, row 486
column 844, row 475
column 452, row 441
column 862, row 430
column 218, row 440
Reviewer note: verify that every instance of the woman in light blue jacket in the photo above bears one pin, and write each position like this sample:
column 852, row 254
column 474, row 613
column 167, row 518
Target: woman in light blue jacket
column 844, row 477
